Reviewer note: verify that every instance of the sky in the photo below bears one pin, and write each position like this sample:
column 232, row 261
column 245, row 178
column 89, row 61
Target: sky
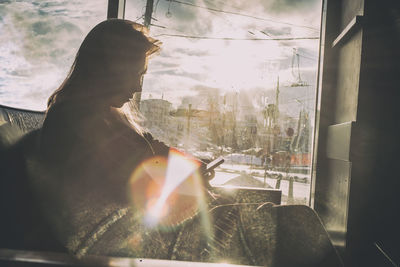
column 38, row 42
column 39, row 39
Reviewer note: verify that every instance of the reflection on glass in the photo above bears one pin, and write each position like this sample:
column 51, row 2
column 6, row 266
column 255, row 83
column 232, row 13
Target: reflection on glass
column 236, row 80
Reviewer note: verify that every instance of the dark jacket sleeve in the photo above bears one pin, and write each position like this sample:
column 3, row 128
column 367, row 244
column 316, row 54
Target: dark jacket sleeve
column 158, row 147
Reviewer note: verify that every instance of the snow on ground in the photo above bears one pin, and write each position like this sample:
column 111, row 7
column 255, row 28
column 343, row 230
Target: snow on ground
column 228, row 171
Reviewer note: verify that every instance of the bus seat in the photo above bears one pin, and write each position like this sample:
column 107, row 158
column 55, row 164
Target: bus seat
column 21, row 222
column 25, row 120
column 294, row 235
column 262, row 235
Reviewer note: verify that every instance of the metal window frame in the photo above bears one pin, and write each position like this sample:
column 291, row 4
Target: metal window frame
column 317, row 105
column 116, row 9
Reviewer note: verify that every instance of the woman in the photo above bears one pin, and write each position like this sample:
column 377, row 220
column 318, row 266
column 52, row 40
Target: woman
column 89, row 148
column 83, row 123
column 99, row 179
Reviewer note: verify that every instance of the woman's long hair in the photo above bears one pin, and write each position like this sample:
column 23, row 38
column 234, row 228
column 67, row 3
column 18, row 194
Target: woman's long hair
column 113, row 49
column 110, row 49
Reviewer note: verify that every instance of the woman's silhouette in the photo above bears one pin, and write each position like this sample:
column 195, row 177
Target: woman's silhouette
column 88, row 146
column 84, row 123
column 74, row 195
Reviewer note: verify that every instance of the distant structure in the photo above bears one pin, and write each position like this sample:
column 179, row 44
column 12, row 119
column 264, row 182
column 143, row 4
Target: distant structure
column 271, row 128
column 231, row 123
column 299, row 81
column 156, row 112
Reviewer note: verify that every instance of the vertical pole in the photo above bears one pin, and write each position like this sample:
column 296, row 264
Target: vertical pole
column 147, row 22
column 278, row 182
column 112, row 11
column 148, row 13
column 116, row 9
column 277, row 102
column 298, row 69
column 275, row 118
column 121, row 9
column 290, row 193
column 189, row 114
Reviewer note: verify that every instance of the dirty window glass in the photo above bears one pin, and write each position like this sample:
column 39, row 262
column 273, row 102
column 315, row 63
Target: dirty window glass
column 236, row 79
column 38, row 43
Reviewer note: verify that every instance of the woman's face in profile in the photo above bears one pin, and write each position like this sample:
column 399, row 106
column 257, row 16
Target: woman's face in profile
column 129, row 83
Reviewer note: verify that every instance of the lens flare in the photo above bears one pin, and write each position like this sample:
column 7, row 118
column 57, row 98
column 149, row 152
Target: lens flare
column 167, row 191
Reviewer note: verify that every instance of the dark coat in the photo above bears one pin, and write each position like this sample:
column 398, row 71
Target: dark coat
column 65, row 190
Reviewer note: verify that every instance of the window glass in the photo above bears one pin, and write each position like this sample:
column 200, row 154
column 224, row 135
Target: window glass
column 38, row 42
column 236, row 79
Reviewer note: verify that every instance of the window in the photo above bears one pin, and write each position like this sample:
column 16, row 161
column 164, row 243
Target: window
column 38, row 43
column 236, row 79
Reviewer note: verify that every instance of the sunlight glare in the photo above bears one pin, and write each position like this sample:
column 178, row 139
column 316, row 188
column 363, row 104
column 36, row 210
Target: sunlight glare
column 167, row 191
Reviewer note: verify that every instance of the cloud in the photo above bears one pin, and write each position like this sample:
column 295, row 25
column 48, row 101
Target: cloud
column 289, row 6
column 38, row 44
column 40, row 38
